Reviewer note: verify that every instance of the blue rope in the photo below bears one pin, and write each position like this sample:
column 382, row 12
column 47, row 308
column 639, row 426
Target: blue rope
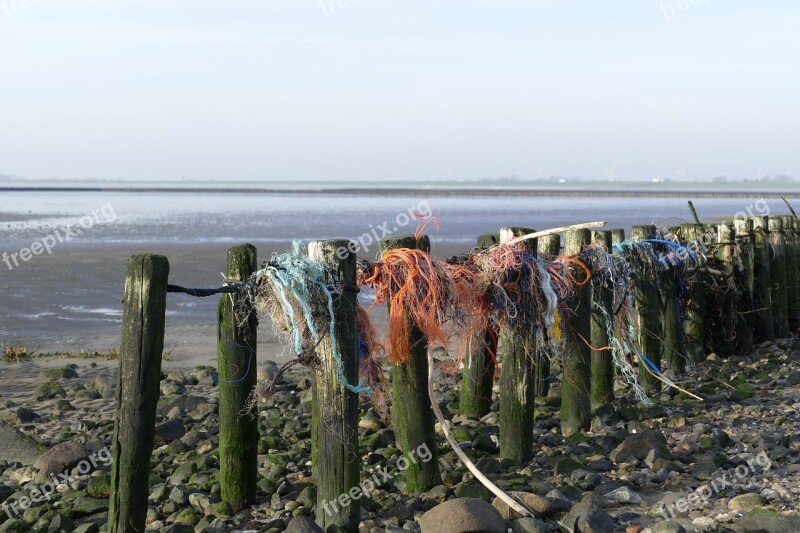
column 674, row 245
column 292, row 275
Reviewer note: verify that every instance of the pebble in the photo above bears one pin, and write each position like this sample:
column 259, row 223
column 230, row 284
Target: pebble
column 623, row 470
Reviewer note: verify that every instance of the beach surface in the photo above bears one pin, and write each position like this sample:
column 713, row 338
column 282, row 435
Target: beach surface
column 638, row 467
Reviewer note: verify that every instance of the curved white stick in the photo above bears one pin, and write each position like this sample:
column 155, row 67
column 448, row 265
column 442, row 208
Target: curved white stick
column 562, row 229
column 513, row 504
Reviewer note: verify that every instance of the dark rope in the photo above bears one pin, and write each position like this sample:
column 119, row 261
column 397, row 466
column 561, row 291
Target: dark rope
column 229, row 289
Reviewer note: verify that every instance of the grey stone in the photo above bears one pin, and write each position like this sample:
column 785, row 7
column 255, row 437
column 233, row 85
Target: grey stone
column 768, row 521
column 745, row 502
column 463, row 515
column 184, row 403
column 16, row 446
column 66, row 372
column 639, row 446
column 623, row 495
column 171, row 389
column 88, row 506
column 27, row 415
column 192, row 438
column 179, row 528
column 179, row 495
column 436, row 493
column 105, row 385
column 60, row 523
column 541, row 506
column 13, row 526
column 586, row 516
column 5, row 492
column 48, row 391
column 529, row 525
column 170, row 431
column 559, row 500
column 303, row 524
column 183, row 472
column 667, row 527
column 87, row 528
column 60, row 458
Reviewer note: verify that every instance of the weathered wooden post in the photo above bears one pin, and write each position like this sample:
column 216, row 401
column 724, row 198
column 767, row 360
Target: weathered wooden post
column 575, row 386
column 479, row 369
column 617, row 235
column 743, row 228
column 236, row 362
column 549, row 245
column 764, row 327
column 792, row 271
column 777, row 276
column 646, row 300
column 411, row 406
column 335, row 410
column 601, row 388
column 696, row 238
column 725, row 253
column 673, row 348
column 516, row 380
column 138, row 387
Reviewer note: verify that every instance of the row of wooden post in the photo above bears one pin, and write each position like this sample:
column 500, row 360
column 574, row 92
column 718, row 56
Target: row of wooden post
column 769, row 252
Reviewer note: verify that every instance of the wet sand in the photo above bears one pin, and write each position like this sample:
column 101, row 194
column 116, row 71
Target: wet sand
column 76, row 298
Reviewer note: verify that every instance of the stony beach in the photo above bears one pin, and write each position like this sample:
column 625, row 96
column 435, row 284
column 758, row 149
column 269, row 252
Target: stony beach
column 729, row 463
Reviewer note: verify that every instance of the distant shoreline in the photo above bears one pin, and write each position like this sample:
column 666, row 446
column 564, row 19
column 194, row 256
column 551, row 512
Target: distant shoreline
column 424, row 191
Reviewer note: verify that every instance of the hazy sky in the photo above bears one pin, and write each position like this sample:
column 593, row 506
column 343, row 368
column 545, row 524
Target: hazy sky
column 373, row 89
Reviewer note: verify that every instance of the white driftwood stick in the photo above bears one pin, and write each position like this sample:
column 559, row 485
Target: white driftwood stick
column 513, row 504
column 562, row 229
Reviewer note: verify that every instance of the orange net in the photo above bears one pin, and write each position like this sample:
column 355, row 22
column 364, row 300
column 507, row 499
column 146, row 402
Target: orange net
column 427, row 293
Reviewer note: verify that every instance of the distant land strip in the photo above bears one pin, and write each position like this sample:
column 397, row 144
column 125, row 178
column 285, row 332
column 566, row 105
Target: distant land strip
column 423, row 191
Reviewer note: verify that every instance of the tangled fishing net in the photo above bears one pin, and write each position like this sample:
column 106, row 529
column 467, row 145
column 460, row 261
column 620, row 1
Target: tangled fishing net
column 505, row 288
column 440, row 299
column 298, row 294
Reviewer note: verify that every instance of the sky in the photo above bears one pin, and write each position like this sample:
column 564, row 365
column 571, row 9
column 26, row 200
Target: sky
column 372, row 90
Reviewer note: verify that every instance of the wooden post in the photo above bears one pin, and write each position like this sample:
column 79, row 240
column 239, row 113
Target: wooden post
column 729, row 328
column 335, row 408
column 695, row 238
column 777, row 274
column 138, row 387
column 792, row 273
column 411, row 407
column 673, row 348
column 743, row 228
column 549, row 245
column 236, row 363
column 516, row 381
column 617, row 235
column 479, row 369
column 575, row 386
column 601, row 388
column 648, row 307
column 763, row 326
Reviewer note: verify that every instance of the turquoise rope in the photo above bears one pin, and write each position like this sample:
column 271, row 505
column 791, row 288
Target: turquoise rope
column 293, row 274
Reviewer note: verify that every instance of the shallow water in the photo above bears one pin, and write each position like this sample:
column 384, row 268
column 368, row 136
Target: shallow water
column 70, row 298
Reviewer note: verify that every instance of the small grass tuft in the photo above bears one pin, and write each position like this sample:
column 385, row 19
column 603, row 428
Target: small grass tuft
column 14, row 354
